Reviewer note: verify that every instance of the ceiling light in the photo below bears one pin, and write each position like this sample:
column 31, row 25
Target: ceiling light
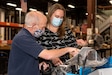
column 71, row 6
column 46, row 13
column 110, row 1
column 19, row 9
column 86, row 13
column 31, row 9
column 56, row 0
column 10, row 4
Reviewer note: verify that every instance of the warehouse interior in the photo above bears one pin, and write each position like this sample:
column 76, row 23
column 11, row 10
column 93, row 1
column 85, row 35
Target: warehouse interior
column 84, row 16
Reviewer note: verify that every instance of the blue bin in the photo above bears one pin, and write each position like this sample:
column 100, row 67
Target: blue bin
column 85, row 71
column 71, row 74
column 108, row 64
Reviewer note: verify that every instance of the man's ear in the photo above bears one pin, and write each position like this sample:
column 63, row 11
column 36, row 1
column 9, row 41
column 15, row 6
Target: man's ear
column 34, row 24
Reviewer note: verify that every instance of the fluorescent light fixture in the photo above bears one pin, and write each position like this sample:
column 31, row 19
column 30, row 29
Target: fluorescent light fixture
column 86, row 13
column 46, row 13
column 10, row 4
column 19, row 9
column 31, row 9
column 110, row 1
column 56, row 0
column 71, row 6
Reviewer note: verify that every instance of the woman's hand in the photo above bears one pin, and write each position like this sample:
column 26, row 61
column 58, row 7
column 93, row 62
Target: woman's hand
column 57, row 62
column 81, row 42
column 44, row 65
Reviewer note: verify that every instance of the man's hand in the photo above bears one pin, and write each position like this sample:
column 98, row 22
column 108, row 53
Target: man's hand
column 74, row 53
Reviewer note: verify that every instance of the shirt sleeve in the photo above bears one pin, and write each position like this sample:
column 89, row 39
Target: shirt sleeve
column 29, row 46
column 70, row 40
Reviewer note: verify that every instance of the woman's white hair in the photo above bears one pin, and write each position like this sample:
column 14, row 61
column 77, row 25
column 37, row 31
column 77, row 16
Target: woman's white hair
column 31, row 18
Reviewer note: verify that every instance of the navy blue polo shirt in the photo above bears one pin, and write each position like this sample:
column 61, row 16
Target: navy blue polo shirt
column 23, row 59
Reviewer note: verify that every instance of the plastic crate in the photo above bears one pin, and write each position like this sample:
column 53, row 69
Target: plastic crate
column 71, row 74
column 107, row 65
column 85, row 71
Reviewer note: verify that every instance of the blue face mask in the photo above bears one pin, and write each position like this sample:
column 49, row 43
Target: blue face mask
column 38, row 33
column 56, row 21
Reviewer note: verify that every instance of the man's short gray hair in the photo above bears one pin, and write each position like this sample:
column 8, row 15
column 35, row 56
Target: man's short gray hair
column 31, row 18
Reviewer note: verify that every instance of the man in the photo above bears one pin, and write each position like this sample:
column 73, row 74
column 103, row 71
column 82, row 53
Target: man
column 23, row 59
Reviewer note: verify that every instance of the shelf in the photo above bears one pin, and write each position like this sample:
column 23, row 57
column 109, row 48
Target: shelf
column 8, row 42
column 5, row 48
column 9, row 31
column 7, row 24
column 5, row 44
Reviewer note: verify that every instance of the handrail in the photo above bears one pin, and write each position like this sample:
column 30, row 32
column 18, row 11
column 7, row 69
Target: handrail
column 106, row 24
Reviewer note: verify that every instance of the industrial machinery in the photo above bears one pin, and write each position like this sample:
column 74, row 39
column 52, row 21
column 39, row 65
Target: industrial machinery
column 87, row 57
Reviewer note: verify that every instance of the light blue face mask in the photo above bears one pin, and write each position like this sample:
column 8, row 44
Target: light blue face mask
column 56, row 21
column 38, row 33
